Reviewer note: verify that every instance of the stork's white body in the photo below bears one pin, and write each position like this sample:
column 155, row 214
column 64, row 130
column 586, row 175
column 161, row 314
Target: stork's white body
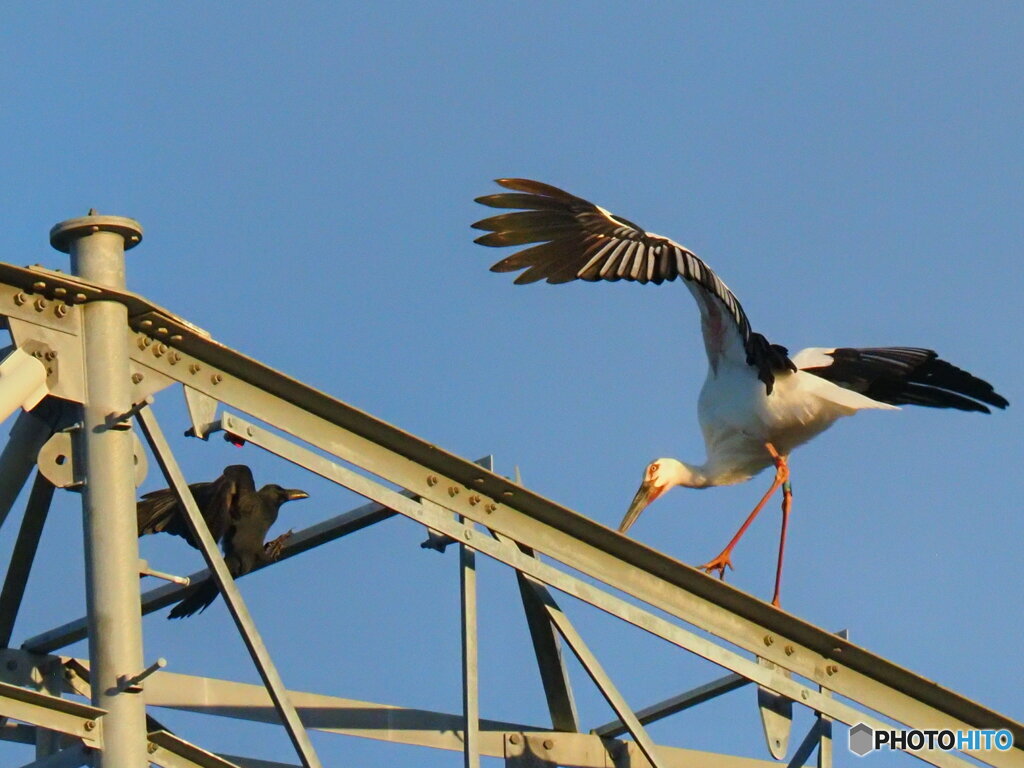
column 757, row 403
column 738, row 418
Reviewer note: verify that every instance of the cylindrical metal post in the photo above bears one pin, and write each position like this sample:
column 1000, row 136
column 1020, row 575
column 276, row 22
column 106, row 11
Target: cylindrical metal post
column 104, row 442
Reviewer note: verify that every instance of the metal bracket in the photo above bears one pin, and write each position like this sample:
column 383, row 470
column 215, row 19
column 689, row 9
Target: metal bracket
column 145, row 570
column 776, row 715
column 133, row 683
column 57, row 461
column 202, row 412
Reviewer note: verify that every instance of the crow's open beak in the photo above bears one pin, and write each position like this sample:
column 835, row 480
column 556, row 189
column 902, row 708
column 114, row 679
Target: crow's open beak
column 648, row 492
column 293, row 494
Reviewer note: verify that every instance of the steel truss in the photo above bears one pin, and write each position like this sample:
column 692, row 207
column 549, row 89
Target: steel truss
column 61, row 321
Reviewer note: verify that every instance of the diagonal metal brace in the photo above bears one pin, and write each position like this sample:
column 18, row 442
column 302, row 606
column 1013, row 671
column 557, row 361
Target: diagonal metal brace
column 52, row 713
column 226, row 584
column 169, row 751
column 23, row 556
column 600, row 677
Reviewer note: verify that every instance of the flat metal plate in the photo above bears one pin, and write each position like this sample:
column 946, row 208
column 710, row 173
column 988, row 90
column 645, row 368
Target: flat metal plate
column 57, row 460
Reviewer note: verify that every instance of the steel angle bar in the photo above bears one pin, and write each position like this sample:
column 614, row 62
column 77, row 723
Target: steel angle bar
column 23, row 555
column 169, row 751
column 824, row 736
column 160, row 597
column 52, row 713
column 596, row 550
column 678, row 703
column 541, row 750
column 236, row 605
column 470, row 653
column 506, row 551
column 252, row 762
column 332, row 714
column 598, row 675
column 510, row 554
column 30, row 432
column 806, row 748
column 580, row 543
column 550, row 664
column 386, row 722
column 50, row 680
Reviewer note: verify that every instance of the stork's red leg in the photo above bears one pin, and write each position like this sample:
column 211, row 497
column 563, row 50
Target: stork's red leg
column 723, row 560
column 787, row 505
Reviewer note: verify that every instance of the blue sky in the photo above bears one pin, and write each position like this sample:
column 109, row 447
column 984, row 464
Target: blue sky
column 305, row 175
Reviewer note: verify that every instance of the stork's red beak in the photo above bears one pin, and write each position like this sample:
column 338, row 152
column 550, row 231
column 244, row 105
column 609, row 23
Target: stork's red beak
column 648, row 492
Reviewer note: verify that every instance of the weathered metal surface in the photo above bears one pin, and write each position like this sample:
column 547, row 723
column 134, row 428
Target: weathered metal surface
column 470, row 654
column 104, row 453
column 236, row 605
column 53, row 713
column 23, row 556
column 169, row 751
column 675, row 704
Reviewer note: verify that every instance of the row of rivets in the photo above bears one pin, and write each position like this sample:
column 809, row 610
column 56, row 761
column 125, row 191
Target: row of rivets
column 453, row 491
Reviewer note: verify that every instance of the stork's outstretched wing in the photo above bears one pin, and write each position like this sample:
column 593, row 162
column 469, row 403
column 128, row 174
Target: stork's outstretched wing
column 582, row 241
column 901, row 376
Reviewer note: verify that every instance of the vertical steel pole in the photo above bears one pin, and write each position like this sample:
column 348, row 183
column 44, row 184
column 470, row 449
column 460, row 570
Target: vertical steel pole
column 470, row 670
column 97, row 245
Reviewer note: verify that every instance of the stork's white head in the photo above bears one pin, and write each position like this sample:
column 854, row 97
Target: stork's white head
column 660, row 475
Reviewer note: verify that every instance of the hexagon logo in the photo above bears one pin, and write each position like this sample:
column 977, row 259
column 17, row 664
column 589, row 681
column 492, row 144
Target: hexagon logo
column 862, row 739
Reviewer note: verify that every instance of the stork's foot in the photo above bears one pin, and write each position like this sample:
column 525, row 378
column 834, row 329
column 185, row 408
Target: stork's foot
column 719, row 564
column 272, row 549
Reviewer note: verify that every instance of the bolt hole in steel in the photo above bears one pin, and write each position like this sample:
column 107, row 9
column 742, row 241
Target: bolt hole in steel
column 59, row 459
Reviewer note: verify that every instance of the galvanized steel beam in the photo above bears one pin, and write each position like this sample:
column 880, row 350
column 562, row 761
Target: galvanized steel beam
column 577, row 541
column 511, row 553
column 30, row 431
column 675, row 704
column 53, row 713
column 550, row 664
column 598, row 675
column 233, row 598
column 470, row 654
column 105, row 467
column 23, row 555
column 169, row 751
column 168, row 594
column 240, row 382
column 426, row 471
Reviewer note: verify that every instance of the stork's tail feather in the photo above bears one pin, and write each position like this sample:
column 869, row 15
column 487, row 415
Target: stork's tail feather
column 905, row 376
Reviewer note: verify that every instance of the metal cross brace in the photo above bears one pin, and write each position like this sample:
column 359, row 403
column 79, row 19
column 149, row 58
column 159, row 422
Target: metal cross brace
column 233, row 598
column 470, row 670
column 441, row 520
column 160, row 597
column 24, row 554
column 678, row 703
column 53, row 713
column 586, row 657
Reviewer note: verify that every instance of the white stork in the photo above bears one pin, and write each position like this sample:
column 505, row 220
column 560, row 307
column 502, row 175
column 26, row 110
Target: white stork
column 757, row 403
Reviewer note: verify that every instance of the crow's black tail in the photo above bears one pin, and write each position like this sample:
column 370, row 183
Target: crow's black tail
column 197, row 600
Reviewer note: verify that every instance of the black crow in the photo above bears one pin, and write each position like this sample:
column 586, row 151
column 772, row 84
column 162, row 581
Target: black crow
column 238, row 517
